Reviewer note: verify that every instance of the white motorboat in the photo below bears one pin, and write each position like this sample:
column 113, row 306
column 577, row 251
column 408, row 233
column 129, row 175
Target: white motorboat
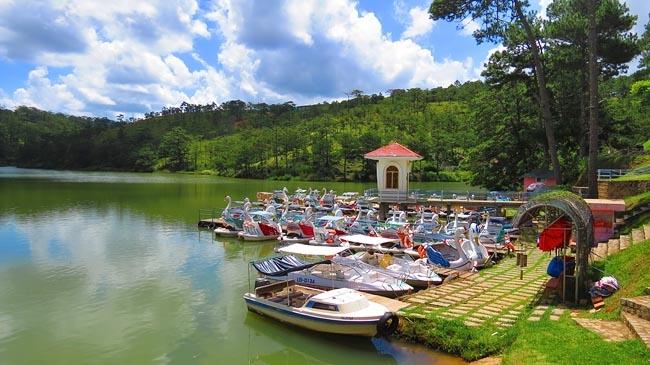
column 339, row 311
column 325, row 274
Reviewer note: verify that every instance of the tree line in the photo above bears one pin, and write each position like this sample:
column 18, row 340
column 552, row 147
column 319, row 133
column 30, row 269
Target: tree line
column 535, row 107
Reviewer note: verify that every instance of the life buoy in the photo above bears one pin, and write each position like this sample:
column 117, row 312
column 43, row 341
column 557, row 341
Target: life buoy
column 387, row 324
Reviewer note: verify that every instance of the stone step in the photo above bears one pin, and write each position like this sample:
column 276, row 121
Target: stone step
column 614, row 245
column 599, row 252
column 639, row 306
column 625, row 242
column 639, row 326
column 646, row 231
column 637, row 236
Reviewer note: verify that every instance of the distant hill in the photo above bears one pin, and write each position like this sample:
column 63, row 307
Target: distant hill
column 494, row 133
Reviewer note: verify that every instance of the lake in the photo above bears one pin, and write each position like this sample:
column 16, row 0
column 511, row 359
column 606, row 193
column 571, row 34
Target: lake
column 99, row 268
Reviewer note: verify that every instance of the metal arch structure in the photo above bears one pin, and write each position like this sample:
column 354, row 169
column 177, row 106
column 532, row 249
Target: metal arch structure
column 555, row 205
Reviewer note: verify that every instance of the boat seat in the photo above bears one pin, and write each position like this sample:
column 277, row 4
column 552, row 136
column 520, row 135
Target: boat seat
column 268, row 290
column 298, row 299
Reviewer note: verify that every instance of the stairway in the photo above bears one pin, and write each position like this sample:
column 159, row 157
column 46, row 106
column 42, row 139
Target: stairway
column 605, row 249
column 635, row 313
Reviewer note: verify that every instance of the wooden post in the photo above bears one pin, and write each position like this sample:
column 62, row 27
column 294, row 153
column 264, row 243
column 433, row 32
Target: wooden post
column 383, row 211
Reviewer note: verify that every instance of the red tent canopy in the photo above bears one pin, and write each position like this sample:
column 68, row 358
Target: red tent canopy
column 555, row 235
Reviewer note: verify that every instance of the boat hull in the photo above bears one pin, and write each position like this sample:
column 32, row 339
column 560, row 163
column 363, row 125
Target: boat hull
column 327, row 325
column 250, row 237
column 290, row 240
column 226, row 232
column 328, row 284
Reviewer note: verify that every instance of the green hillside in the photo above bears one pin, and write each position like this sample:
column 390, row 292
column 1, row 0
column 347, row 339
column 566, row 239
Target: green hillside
column 492, row 132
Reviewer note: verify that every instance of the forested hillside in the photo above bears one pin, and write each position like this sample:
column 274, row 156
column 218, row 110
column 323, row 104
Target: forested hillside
column 494, row 133
column 489, row 132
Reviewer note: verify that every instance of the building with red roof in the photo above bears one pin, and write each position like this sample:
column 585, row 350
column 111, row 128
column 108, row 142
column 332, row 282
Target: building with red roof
column 393, row 169
column 393, row 149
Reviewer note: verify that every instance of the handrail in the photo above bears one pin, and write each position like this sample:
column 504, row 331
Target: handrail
column 425, row 194
column 609, row 174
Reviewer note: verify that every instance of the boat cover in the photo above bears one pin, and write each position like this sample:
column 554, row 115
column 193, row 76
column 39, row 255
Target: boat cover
column 309, row 250
column 281, row 266
column 367, row 240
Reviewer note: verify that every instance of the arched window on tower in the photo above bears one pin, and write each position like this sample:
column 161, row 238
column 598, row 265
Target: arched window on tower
column 392, row 177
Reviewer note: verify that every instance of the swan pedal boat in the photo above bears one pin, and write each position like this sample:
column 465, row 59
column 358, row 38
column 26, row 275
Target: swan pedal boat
column 339, row 311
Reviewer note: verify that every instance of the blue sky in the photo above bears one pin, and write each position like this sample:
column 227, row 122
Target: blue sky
column 103, row 58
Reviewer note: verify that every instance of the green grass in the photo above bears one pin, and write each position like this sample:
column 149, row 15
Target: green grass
column 564, row 342
column 454, row 337
column 632, row 177
column 637, row 221
column 630, row 268
column 634, row 201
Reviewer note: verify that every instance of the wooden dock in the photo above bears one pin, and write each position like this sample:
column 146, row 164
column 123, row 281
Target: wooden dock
column 451, row 274
column 393, row 305
column 208, row 223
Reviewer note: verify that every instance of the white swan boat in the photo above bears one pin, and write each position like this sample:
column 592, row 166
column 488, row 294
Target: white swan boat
column 474, row 249
column 442, row 254
column 325, row 274
column 301, row 231
column 328, row 229
column 232, row 219
column 339, row 311
column 260, row 226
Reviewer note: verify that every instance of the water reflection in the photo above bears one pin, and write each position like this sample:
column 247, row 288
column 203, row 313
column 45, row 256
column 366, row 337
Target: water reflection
column 117, row 273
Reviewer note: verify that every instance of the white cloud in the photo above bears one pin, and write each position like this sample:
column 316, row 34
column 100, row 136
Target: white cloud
column 420, row 23
column 326, row 49
column 123, row 59
column 641, row 9
column 40, row 92
column 543, row 4
column 131, row 57
column 469, row 26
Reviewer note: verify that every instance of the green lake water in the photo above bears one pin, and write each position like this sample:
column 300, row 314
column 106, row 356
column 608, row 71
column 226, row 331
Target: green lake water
column 109, row 268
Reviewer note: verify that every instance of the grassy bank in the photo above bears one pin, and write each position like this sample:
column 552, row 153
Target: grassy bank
column 634, row 201
column 564, row 342
column 534, row 343
column 546, row 341
column 454, row 337
column 630, row 268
